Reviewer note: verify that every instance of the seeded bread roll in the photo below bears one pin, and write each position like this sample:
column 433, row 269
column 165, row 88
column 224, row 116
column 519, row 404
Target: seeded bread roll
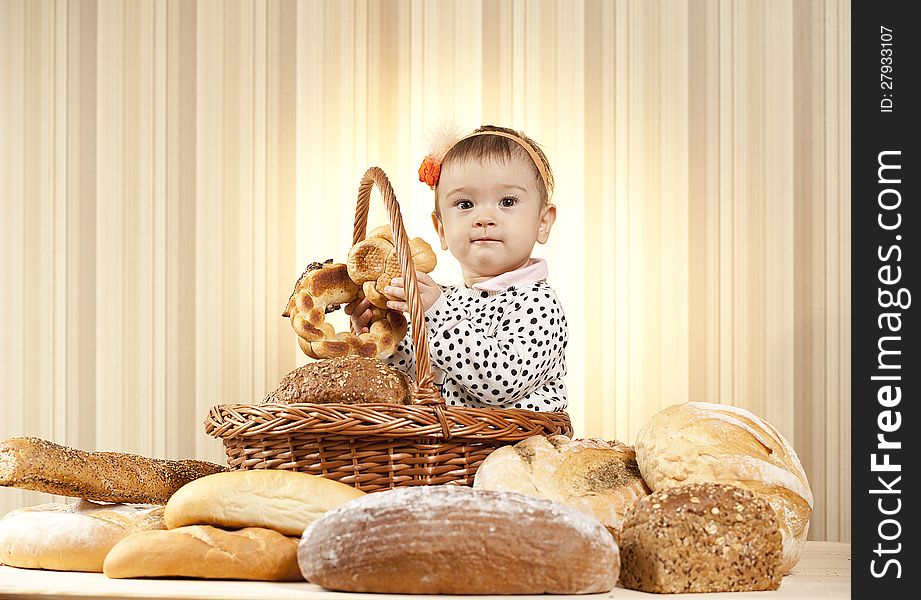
column 456, row 540
column 343, row 380
column 593, row 475
column 205, row 552
column 704, row 537
column 70, row 537
column 35, row 464
column 698, row 442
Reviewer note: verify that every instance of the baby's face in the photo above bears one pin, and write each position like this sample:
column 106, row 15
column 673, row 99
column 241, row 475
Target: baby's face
column 491, row 216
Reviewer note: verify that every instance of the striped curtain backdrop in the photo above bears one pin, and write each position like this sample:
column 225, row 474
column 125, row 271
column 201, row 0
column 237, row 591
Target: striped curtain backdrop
column 168, row 167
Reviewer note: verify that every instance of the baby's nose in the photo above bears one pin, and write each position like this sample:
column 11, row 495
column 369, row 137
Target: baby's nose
column 484, row 220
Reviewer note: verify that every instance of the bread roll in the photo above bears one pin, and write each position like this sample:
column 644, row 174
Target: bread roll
column 205, row 552
column 700, row 442
column 704, row 537
column 286, row 501
column 344, row 380
column 373, row 263
column 70, row 537
column 456, row 540
column 596, row 476
column 35, row 464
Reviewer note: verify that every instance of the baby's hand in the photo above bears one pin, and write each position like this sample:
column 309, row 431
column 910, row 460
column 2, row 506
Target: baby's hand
column 359, row 311
column 429, row 292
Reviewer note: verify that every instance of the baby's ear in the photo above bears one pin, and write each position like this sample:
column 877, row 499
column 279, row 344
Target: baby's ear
column 547, row 219
column 440, row 229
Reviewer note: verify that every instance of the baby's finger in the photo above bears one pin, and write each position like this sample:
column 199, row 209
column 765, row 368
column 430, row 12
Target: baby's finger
column 423, row 277
column 395, row 292
column 397, row 305
column 351, row 306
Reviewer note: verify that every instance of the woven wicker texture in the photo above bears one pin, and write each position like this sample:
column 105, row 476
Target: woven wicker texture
column 378, row 446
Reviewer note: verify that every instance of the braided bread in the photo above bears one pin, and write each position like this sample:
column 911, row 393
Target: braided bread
column 373, row 262
column 322, row 288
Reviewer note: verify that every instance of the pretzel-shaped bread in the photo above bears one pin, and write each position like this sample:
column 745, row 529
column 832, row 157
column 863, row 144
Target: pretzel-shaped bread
column 322, row 288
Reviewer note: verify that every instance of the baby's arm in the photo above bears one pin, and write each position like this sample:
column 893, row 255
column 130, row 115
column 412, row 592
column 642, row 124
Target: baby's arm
column 502, row 367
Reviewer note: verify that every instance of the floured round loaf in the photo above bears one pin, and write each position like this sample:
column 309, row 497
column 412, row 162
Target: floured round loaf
column 701, row 537
column 70, row 537
column 205, row 552
column 286, row 501
column 700, row 442
column 456, row 540
column 593, row 475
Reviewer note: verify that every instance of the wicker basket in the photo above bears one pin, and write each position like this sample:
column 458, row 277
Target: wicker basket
column 375, row 447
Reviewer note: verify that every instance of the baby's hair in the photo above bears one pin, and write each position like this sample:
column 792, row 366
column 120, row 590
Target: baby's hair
column 481, row 147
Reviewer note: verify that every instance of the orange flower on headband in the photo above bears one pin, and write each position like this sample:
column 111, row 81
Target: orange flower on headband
column 440, row 140
column 430, row 171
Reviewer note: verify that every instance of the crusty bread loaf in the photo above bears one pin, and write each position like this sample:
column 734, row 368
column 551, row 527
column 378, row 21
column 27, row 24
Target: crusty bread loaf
column 593, row 475
column 345, row 380
column 70, row 537
column 456, row 540
column 36, row 464
column 205, row 552
column 286, row 501
column 703, row 537
column 699, row 442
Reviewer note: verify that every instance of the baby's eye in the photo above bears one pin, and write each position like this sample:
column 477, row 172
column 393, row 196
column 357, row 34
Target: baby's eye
column 508, row 202
column 464, row 204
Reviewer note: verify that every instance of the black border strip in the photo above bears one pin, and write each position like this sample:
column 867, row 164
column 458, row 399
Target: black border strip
column 885, row 392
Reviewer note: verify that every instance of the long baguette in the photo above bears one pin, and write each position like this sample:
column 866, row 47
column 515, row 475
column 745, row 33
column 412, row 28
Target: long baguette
column 36, row 464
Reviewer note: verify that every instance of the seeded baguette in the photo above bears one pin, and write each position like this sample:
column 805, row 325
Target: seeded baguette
column 39, row 465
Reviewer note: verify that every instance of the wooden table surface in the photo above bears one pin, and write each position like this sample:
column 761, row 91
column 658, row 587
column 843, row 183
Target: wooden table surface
column 823, row 572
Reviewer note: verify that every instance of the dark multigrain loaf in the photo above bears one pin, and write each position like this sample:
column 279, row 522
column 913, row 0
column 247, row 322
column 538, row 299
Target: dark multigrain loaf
column 704, row 537
column 344, row 380
column 37, row 464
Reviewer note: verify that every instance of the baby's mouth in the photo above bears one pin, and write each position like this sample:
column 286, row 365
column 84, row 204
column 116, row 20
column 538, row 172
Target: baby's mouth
column 485, row 240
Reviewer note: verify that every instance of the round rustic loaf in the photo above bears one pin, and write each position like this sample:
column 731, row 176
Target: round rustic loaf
column 701, row 442
column 701, row 537
column 70, row 537
column 343, row 380
column 593, row 475
column 457, row 540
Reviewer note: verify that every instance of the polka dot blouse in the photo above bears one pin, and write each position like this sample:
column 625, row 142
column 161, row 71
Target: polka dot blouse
column 495, row 349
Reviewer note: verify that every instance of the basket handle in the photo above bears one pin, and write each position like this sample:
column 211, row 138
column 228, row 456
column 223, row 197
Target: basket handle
column 423, row 390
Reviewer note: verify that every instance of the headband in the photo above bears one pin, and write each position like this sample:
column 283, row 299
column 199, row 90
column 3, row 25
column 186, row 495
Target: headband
column 430, row 170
